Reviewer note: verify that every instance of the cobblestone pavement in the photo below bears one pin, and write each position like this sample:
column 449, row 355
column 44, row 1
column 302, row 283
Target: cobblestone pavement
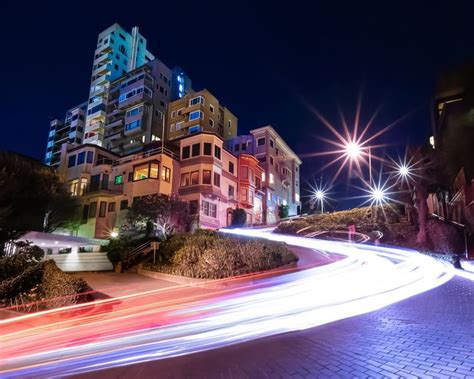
column 430, row 335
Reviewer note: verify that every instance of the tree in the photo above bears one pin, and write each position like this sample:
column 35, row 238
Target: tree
column 429, row 178
column 30, row 194
column 158, row 215
column 239, row 217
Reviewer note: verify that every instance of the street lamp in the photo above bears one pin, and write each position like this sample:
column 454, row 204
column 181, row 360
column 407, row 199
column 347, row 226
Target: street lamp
column 404, row 171
column 354, row 151
column 319, row 194
column 378, row 195
column 114, row 234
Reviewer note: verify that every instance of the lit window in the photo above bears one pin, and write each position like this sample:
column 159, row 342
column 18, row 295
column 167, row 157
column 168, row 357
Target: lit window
column 73, row 186
column 166, row 174
column 194, row 129
column 196, row 115
column 118, row 179
column 134, row 111
column 297, row 197
column 154, row 170
column 83, row 186
column 132, row 125
column 271, row 178
column 263, row 176
column 140, row 172
column 178, row 125
column 196, row 100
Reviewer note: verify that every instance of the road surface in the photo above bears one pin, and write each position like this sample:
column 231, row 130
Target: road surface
column 151, row 327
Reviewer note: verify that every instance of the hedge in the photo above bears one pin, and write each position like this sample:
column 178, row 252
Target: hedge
column 209, row 255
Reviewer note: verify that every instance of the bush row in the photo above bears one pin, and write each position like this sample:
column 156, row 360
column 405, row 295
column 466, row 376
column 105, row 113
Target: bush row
column 208, row 255
column 45, row 282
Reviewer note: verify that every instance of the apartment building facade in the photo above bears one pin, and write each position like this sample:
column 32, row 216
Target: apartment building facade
column 281, row 170
column 208, row 179
column 136, row 107
column 107, row 184
column 67, row 130
column 199, row 112
column 251, row 193
column 117, row 53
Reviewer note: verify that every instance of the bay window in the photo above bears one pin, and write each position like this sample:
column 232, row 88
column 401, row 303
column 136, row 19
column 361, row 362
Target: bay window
column 145, row 171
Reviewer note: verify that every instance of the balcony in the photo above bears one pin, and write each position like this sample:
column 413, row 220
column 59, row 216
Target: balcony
column 113, row 124
column 104, row 161
column 108, row 189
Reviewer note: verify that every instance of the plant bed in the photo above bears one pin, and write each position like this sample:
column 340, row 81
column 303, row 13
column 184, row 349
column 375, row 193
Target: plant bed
column 209, row 255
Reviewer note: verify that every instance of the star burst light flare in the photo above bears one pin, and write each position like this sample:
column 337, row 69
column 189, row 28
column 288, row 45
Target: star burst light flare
column 352, row 146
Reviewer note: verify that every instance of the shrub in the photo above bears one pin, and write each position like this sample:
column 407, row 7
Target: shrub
column 206, row 254
column 60, row 288
column 21, row 283
column 239, row 217
column 118, row 247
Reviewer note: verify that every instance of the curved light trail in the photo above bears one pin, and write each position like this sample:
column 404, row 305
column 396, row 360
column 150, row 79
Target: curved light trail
column 168, row 323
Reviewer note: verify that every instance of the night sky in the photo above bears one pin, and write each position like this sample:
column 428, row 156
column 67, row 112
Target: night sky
column 264, row 62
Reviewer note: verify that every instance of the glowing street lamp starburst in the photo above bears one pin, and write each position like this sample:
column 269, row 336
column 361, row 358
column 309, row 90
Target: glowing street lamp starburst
column 352, row 147
column 319, row 195
column 406, row 170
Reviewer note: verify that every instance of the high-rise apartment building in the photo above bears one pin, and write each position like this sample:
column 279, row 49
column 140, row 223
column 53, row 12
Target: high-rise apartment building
column 117, row 53
column 68, row 130
column 136, row 107
column 199, row 112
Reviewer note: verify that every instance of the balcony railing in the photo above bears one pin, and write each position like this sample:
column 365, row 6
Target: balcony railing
column 108, row 187
column 143, row 155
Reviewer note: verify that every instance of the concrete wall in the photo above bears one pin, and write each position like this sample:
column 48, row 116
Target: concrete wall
column 95, row 261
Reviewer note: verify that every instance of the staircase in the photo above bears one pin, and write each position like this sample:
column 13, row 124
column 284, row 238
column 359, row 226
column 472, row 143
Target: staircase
column 137, row 255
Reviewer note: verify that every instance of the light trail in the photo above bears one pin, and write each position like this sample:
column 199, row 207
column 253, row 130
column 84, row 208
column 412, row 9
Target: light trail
column 150, row 326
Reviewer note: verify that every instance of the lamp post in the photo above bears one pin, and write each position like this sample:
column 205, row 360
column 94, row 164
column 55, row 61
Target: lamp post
column 320, row 197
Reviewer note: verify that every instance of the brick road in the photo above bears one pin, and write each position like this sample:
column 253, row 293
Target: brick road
column 429, row 335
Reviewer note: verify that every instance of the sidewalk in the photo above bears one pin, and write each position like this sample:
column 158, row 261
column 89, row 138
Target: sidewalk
column 113, row 284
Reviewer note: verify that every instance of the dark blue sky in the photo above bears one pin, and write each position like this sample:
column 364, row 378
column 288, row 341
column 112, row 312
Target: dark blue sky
column 259, row 60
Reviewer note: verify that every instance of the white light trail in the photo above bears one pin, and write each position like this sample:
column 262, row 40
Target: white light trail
column 370, row 278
